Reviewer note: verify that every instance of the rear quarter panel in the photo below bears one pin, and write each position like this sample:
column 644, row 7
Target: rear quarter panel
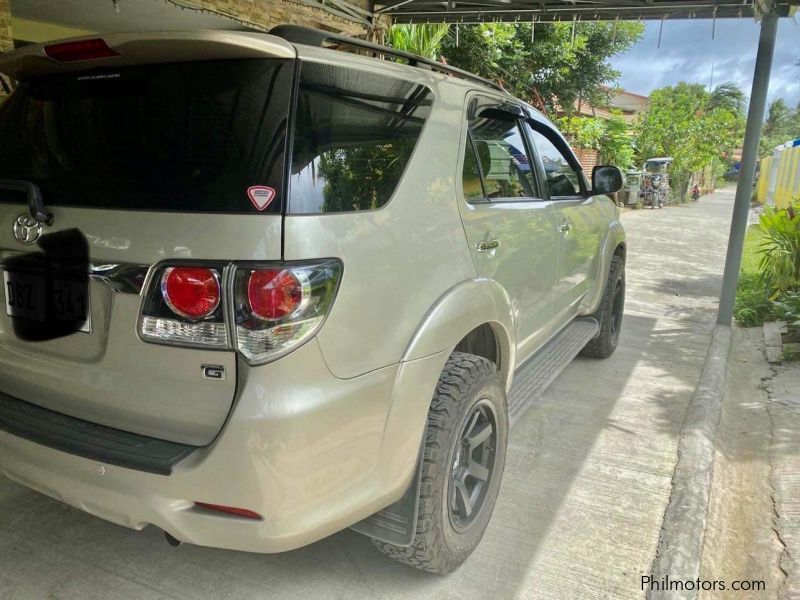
column 399, row 259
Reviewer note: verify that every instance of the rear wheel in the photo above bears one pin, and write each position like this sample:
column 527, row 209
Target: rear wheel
column 609, row 315
column 465, row 450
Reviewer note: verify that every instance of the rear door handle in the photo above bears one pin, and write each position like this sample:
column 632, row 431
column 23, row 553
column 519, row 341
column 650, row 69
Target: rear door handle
column 487, row 245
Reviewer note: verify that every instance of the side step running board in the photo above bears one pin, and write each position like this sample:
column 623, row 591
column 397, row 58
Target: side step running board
column 533, row 377
column 397, row 523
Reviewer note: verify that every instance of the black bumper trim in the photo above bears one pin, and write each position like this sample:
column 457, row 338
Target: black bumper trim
column 89, row 440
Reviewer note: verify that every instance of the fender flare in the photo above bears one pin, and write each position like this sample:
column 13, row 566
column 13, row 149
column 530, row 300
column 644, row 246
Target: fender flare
column 615, row 236
column 458, row 311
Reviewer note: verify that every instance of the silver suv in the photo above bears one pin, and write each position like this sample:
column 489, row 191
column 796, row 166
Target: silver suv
column 258, row 289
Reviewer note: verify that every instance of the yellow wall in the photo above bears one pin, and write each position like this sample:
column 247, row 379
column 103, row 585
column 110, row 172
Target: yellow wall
column 787, row 187
column 763, row 179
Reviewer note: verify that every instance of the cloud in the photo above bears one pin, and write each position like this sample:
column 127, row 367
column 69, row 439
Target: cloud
column 688, row 53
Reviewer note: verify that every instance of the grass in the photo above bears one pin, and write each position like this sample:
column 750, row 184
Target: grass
column 752, row 307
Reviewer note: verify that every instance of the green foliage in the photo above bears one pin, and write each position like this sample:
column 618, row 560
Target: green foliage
column 780, row 250
column 585, row 132
column 752, row 305
column 555, row 69
column 782, row 124
column 787, row 308
column 424, row 40
column 728, row 96
column 768, row 289
column 691, row 125
column 362, row 177
column 610, row 137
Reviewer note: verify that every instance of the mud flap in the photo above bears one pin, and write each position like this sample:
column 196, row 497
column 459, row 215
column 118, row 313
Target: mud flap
column 397, row 523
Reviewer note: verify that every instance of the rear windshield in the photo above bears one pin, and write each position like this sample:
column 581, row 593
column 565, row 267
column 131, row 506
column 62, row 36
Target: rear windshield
column 193, row 137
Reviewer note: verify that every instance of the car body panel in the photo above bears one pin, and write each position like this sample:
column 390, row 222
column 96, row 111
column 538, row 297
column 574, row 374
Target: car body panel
column 329, row 433
column 310, row 459
column 579, row 271
column 110, row 376
column 398, row 258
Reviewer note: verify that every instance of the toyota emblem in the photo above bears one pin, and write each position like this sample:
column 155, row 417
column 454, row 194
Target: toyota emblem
column 27, row 230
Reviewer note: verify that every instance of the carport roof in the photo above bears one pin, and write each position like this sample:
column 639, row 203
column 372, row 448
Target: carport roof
column 474, row 11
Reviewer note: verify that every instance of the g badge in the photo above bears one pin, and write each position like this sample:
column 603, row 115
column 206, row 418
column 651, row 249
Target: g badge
column 214, row 372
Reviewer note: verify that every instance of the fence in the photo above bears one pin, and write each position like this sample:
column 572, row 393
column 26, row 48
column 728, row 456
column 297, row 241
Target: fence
column 779, row 178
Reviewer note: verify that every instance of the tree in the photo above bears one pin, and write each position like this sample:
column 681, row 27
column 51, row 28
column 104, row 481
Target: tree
column 424, row 40
column 611, row 137
column 555, row 69
column 728, row 96
column 683, row 122
column 778, row 117
column 782, row 124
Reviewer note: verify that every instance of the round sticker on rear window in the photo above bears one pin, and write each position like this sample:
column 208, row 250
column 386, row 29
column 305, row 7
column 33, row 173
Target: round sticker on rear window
column 261, row 196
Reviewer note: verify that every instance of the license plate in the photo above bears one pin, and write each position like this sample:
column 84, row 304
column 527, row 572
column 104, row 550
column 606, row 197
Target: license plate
column 26, row 296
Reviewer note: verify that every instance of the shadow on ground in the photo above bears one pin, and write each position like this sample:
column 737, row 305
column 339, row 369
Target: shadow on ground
column 586, row 483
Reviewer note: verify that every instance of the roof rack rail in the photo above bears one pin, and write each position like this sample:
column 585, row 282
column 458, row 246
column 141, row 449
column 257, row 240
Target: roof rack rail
column 298, row 34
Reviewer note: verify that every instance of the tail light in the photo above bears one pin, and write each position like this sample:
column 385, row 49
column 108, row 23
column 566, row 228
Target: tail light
column 277, row 308
column 191, row 292
column 184, row 307
column 262, row 311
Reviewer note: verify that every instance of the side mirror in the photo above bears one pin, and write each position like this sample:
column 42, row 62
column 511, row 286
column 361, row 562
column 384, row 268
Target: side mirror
column 606, row 180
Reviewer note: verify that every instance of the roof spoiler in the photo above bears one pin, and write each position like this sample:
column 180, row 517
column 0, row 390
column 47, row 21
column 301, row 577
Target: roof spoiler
column 142, row 48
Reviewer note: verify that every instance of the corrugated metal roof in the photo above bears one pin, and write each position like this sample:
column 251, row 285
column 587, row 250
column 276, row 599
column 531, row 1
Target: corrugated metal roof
column 475, row 11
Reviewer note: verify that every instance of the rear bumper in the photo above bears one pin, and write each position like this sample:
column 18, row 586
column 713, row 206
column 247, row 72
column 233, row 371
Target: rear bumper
column 311, row 453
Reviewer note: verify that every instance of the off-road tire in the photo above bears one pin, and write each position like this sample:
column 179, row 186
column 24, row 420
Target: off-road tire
column 438, row 547
column 605, row 342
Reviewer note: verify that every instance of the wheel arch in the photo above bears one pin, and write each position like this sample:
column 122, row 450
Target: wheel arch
column 614, row 244
column 474, row 316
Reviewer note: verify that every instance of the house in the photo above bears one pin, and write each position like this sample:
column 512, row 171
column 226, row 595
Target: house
column 627, row 104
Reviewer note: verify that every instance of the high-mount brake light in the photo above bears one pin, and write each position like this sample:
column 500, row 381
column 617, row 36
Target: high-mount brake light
column 80, row 50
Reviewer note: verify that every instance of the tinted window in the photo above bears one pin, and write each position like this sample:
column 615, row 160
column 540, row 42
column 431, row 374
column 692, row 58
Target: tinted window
column 561, row 179
column 181, row 137
column 503, row 158
column 471, row 175
column 354, row 136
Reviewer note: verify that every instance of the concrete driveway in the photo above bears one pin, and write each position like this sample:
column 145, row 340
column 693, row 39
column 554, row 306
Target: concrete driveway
column 584, row 492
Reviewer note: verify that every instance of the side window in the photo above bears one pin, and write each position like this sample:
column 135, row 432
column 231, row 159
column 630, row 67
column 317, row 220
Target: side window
column 355, row 133
column 561, row 178
column 503, row 158
column 471, row 175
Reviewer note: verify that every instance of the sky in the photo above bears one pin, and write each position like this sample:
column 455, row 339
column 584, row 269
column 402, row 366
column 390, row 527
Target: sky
column 687, row 53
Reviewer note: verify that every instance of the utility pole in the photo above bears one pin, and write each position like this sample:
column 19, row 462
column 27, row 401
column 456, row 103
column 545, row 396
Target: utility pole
column 744, row 188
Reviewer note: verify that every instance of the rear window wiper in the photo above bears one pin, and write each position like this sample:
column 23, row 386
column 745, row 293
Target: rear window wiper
column 35, row 202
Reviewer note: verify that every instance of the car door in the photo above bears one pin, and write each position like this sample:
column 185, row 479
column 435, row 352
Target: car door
column 578, row 218
column 509, row 226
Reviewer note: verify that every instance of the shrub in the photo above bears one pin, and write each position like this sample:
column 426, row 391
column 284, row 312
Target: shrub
column 787, row 307
column 752, row 306
column 780, row 250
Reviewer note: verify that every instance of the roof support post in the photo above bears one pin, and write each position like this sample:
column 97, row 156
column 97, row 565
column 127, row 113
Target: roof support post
column 744, row 188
